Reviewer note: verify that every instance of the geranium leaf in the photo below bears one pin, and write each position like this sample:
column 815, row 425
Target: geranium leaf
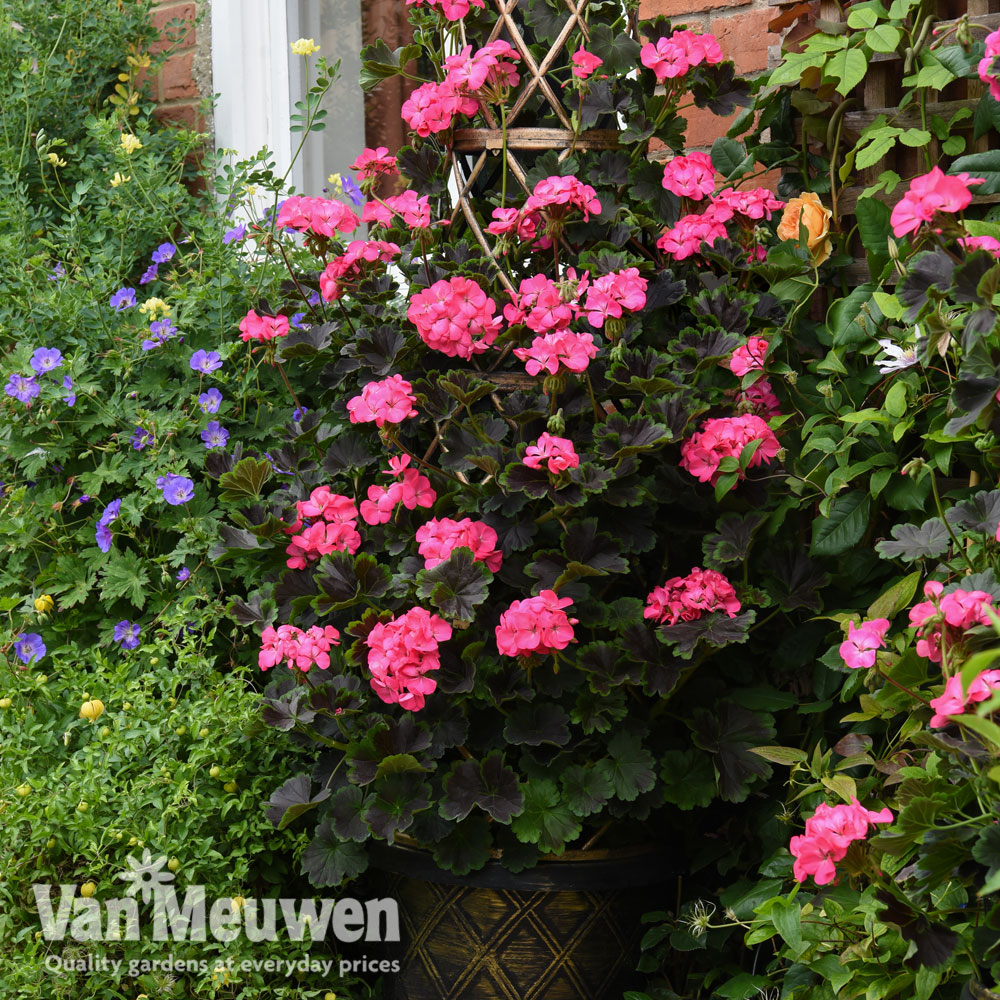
column 979, row 513
column 728, row 733
column 628, row 766
column 292, row 799
column 537, row 723
column 396, row 798
column 457, row 586
column 929, row 277
column 586, row 790
column 912, row 541
column 466, row 848
column 346, row 814
column 714, row 629
column 330, row 861
column 730, row 543
column 688, row 778
column 246, row 481
column 343, row 580
column 285, row 711
column 546, row 820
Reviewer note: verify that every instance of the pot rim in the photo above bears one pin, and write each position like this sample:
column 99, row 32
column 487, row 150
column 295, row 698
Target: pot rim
column 626, row 868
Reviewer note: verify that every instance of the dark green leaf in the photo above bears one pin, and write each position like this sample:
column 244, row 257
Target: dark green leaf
column 843, row 528
column 457, row 586
column 293, row 799
column 330, row 861
column 912, row 542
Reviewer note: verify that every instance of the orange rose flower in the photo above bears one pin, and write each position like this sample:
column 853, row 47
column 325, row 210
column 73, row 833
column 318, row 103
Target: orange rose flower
column 807, row 210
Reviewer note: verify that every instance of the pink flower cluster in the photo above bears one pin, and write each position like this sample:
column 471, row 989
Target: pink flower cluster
column 557, row 452
column 691, row 176
column 335, row 532
column 748, row 358
column 438, row 538
column 453, row 10
column 291, row 645
column 543, row 304
column 513, row 222
column 612, row 294
column 829, row 832
column 929, row 194
column 433, row 107
column 859, row 649
column 415, row 210
column 953, row 702
column 574, row 351
column 988, row 70
column 455, row 316
column 374, row 162
column 350, row 267
column 412, row 490
column 557, row 195
column 387, row 402
column 682, row 51
column 584, row 63
column 685, row 598
column 262, row 328
column 320, row 216
column 535, row 625
column 720, row 437
column 753, row 203
column 400, row 655
column 759, row 398
column 941, row 620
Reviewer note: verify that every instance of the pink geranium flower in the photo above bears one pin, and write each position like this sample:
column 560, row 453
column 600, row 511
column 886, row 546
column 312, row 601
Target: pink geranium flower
column 691, row 176
column 387, row 402
column 556, row 453
column 584, row 63
column 859, row 649
column 748, row 358
column 536, row 625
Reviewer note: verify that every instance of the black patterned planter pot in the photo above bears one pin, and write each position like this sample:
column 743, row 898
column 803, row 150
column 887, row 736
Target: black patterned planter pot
column 567, row 929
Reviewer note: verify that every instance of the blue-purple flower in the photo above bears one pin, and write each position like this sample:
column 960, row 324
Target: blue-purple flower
column 351, row 189
column 296, row 320
column 141, row 438
column 46, row 359
column 298, row 414
column 103, row 534
column 57, row 272
column 163, row 253
column 234, row 234
column 206, row 362
column 176, row 489
column 124, row 298
column 149, row 274
column 215, row 435
column 29, row 647
column 210, row 401
column 182, row 574
column 23, row 388
column 160, row 330
column 314, row 299
column 127, row 634
column 70, row 398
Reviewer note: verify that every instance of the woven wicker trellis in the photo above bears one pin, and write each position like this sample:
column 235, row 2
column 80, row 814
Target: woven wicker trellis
column 472, row 147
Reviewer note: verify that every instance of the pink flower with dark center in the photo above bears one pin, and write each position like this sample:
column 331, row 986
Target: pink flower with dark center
column 537, row 625
column 353, row 265
column 556, row 453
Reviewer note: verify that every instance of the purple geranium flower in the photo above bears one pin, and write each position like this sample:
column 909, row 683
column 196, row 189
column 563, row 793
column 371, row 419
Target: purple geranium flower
column 351, row 189
column 215, row 435
column 205, row 362
column 46, row 359
column 103, row 533
column 23, row 388
column 182, row 574
column 127, row 634
column 163, row 253
column 149, row 274
column 210, row 401
column 296, row 321
column 234, row 234
column 298, row 414
column 141, row 438
column 161, row 330
column 124, row 298
column 29, row 646
column 70, row 398
column 314, row 299
column 176, row 489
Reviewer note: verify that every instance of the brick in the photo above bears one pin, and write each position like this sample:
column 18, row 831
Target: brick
column 181, row 38
column 704, row 127
column 744, row 38
column 185, row 115
column 678, row 8
column 175, row 80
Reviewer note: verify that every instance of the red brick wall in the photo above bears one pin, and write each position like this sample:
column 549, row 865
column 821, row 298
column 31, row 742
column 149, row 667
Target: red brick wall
column 740, row 26
column 175, row 88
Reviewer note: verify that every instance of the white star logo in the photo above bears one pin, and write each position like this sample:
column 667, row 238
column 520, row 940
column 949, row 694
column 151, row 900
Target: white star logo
column 146, row 876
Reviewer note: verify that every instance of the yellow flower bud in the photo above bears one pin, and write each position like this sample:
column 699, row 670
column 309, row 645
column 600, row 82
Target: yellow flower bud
column 304, row 47
column 44, row 604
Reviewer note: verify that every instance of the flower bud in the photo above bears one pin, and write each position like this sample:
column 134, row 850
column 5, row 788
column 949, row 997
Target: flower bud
column 915, row 467
column 44, row 604
column 825, row 390
column 553, row 384
column 556, row 424
column 614, row 328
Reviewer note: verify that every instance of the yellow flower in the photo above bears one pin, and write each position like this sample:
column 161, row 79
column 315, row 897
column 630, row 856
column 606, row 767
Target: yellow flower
column 130, row 143
column 56, row 160
column 336, row 184
column 155, row 308
column 238, row 902
column 304, row 47
column 44, row 603
column 120, row 179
